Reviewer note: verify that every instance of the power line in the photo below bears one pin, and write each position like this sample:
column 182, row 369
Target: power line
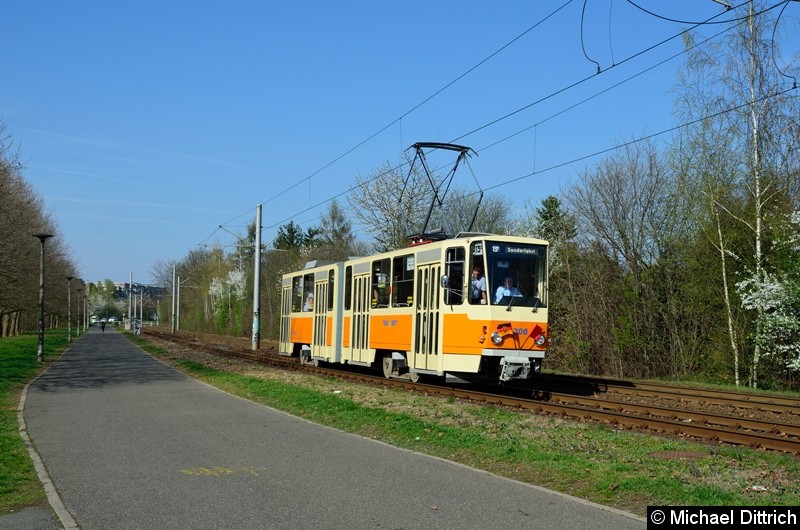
column 775, row 27
column 583, row 13
column 577, row 83
column 605, row 90
column 412, row 109
column 436, row 93
column 641, row 139
column 517, row 111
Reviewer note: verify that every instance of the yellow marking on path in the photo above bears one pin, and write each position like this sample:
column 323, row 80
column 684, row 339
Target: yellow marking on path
column 220, row 471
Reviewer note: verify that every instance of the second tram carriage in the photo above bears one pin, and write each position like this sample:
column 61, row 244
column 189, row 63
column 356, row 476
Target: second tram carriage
column 410, row 312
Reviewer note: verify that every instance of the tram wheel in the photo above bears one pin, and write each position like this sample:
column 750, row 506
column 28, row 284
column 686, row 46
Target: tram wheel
column 388, row 366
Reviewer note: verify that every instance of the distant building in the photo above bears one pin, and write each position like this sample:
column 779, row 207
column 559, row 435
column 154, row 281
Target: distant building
column 123, row 290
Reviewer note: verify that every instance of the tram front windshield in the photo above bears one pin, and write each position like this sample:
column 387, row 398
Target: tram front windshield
column 517, row 274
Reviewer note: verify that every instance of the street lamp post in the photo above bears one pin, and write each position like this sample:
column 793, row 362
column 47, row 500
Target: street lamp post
column 42, row 238
column 69, row 308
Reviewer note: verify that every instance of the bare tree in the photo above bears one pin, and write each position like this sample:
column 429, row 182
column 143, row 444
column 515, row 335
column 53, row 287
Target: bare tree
column 465, row 210
column 627, row 204
column 391, row 205
column 394, row 203
column 161, row 273
column 22, row 213
column 620, row 276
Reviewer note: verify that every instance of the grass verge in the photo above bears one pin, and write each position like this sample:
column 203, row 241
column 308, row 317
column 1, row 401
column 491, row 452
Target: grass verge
column 614, row 467
column 19, row 485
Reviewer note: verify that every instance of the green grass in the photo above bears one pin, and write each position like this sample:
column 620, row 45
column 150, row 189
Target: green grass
column 614, row 467
column 19, row 484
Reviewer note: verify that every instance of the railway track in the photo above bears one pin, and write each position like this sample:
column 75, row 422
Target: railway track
column 746, row 401
column 710, row 416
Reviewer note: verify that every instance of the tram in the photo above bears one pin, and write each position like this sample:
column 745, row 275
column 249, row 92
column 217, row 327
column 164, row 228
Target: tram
column 415, row 311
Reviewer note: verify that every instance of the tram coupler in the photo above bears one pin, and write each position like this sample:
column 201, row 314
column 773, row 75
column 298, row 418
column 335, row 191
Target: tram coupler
column 516, row 368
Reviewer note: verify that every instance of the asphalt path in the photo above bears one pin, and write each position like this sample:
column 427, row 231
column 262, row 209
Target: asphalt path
column 129, row 442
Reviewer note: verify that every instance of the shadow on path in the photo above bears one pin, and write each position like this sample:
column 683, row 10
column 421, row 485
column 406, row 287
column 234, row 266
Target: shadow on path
column 100, row 359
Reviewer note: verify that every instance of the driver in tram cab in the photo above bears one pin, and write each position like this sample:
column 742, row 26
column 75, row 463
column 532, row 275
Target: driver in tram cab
column 506, row 289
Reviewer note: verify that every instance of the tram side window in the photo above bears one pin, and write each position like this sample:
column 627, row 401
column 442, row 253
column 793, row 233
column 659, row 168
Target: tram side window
column 380, row 283
column 308, row 292
column 540, row 281
column 403, row 281
column 348, row 287
column 478, row 293
column 330, row 290
column 454, row 269
column 297, row 293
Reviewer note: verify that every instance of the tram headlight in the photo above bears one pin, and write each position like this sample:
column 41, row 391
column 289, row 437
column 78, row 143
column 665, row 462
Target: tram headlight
column 540, row 339
column 497, row 339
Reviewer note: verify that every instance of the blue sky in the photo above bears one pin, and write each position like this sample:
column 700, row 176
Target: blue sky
column 145, row 126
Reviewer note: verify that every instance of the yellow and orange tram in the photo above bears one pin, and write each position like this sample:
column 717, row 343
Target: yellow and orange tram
column 470, row 307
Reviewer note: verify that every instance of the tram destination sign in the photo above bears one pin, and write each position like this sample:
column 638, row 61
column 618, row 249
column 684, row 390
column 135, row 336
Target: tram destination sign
column 518, row 250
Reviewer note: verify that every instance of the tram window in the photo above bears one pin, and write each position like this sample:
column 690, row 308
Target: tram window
column 348, row 287
column 454, row 269
column 297, row 293
column 380, row 283
column 539, row 276
column 525, row 264
column 403, row 281
column 308, row 290
column 330, row 290
column 478, row 293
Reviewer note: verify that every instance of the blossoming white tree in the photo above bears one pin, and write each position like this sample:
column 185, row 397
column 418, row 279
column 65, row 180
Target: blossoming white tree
column 775, row 297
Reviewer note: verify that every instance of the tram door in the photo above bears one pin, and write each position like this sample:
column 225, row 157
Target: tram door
column 359, row 332
column 319, row 347
column 426, row 320
column 285, row 347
